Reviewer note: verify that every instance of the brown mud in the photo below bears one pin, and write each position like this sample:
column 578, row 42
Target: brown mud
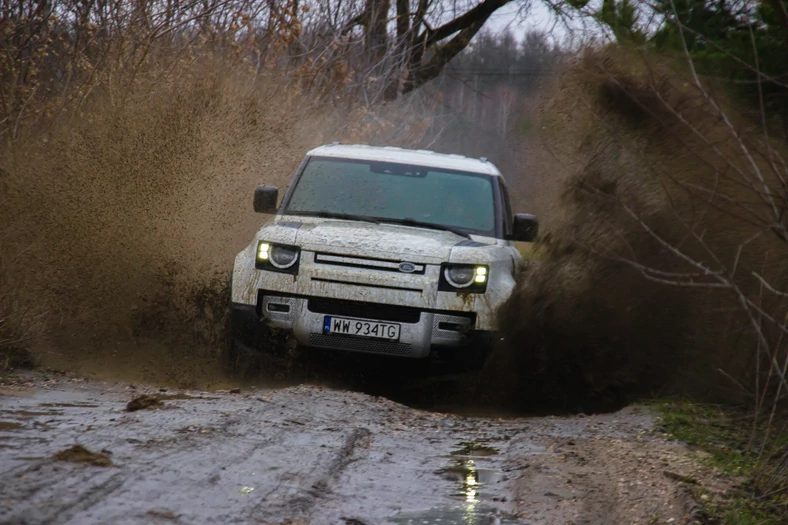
column 144, row 402
column 79, row 454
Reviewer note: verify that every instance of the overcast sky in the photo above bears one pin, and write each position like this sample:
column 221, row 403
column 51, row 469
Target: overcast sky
column 539, row 18
column 508, row 17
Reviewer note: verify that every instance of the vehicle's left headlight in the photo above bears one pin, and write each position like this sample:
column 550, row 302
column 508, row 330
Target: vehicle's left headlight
column 277, row 257
column 470, row 278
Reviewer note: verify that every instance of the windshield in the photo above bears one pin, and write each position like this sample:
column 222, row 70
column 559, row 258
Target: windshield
column 384, row 190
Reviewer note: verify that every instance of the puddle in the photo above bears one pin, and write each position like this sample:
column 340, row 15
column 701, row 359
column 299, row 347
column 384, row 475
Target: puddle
column 470, row 480
column 455, row 515
column 473, row 487
column 471, row 448
column 10, row 425
column 79, row 405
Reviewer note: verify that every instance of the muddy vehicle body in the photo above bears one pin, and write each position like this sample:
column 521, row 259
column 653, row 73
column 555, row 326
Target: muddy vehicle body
column 381, row 250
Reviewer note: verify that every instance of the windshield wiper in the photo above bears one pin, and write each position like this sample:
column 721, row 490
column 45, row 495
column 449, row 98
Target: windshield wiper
column 407, row 221
column 347, row 216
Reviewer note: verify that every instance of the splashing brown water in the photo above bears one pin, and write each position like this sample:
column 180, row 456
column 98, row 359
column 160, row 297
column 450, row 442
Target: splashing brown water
column 122, row 223
column 637, row 184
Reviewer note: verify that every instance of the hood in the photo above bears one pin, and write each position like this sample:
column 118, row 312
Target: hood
column 388, row 241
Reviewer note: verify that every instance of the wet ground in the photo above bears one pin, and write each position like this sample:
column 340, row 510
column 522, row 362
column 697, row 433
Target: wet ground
column 72, row 452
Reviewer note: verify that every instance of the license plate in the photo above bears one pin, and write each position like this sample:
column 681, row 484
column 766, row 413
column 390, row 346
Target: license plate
column 358, row 327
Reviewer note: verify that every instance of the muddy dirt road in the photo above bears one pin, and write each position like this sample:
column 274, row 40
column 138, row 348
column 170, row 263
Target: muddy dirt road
column 308, row 454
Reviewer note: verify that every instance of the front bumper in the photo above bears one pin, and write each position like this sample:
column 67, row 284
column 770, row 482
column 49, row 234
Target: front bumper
column 420, row 330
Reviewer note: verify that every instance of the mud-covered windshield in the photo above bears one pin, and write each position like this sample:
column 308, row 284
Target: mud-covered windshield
column 384, row 190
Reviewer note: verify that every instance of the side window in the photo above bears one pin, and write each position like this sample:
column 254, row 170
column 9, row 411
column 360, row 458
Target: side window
column 507, row 210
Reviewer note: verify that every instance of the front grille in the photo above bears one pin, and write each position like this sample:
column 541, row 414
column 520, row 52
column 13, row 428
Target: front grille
column 369, row 263
column 381, row 312
column 365, row 285
column 370, row 346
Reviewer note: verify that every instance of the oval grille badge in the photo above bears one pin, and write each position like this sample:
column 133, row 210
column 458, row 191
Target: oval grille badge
column 407, row 267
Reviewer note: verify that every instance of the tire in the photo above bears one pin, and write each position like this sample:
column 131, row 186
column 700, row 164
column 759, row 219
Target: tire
column 473, row 356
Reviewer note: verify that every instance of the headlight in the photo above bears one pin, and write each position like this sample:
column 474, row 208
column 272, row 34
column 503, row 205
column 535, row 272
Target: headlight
column 277, row 257
column 459, row 276
column 283, row 256
column 469, row 278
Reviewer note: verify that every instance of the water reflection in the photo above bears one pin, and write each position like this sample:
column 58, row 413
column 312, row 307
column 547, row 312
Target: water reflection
column 470, row 488
column 472, row 485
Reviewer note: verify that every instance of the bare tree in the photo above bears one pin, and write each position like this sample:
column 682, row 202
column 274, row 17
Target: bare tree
column 427, row 36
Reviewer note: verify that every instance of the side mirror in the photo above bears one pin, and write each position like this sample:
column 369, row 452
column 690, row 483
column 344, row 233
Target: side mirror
column 525, row 227
column 265, row 198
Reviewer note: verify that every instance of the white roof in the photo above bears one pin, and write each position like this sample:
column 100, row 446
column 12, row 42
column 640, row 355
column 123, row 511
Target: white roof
column 418, row 157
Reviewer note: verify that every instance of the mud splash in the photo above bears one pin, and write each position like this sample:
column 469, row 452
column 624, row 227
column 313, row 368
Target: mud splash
column 121, row 225
column 604, row 313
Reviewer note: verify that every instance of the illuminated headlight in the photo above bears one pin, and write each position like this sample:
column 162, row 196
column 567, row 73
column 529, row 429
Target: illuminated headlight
column 262, row 251
column 277, row 257
column 464, row 277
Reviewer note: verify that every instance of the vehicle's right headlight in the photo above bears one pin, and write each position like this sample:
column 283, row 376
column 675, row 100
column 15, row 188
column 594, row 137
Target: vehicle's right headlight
column 470, row 278
column 277, row 257
column 459, row 276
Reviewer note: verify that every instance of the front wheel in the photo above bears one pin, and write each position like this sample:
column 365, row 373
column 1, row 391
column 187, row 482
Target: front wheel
column 472, row 356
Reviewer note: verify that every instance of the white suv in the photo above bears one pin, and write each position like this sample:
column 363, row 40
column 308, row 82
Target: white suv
column 381, row 250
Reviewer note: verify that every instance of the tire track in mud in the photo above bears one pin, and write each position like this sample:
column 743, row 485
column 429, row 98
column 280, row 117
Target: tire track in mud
column 86, row 500
column 150, row 445
column 301, row 505
column 56, row 503
column 235, row 434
